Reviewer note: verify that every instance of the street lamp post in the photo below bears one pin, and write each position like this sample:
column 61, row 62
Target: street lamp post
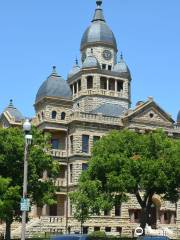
column 24, row 200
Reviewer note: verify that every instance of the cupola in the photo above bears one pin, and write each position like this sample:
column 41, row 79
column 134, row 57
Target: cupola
column 121, row 66
column 98, row 31
column 14, row 112
column 75, row 69
column 90, row 62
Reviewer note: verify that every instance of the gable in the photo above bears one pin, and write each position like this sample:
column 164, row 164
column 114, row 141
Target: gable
column 149, row 113
column 152, row 115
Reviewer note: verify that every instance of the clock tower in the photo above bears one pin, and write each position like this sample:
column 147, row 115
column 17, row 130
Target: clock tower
column 100, row 83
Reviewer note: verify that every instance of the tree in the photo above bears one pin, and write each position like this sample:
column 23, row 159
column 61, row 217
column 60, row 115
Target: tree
column 126, row 163
column 40, row 191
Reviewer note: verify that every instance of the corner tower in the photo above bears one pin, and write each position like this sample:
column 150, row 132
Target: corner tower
column 100, row 82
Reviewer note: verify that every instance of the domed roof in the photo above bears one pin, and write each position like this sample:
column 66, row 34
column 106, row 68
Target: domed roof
column 178, row 117
column 54, row 86
column 14, row 112
column 121, row 66
column 74, row 70
column 90, row 62
column 98, row 31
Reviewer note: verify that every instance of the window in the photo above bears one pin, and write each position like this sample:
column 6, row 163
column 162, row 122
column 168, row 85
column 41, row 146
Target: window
column 95, row 139
column 109, row 67
column 96, row 229
column 119, row 230
column 85, row 143
column 119, row 86
column 54, row 114
column 84, row 166
column 75, row 88
column 42, row 115
column 134, row 215
column 103, row 83
column 85, row 230
column 71, row 173
column 79, row 85
column 62, row 172
column 168, row 217
column 107, row 229
column 55, row 143
column 71, row 144
column 118, row 210
column 89, row 82
column 63, row 116
column 151, row 115
column 107, row 213
column 53, row 210
column 137, row 214
column 112, row 84
column 103, row 66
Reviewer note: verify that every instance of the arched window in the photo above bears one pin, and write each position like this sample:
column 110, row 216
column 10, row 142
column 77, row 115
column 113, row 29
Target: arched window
column 53, row 115
column 63, row 115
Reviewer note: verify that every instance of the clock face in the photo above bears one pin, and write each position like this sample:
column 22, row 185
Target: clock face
column 83, row 56
column 107, row 55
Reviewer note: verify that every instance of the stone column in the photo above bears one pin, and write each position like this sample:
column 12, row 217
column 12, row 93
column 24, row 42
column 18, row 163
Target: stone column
column 77, row 86
column 115, row 85
column 44, row 210
column 172, row 220
column 161, row 217
column 73, row 89
column 108, row 84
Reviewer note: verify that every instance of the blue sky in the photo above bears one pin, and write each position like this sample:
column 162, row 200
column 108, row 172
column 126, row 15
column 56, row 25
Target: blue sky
column 37, row 34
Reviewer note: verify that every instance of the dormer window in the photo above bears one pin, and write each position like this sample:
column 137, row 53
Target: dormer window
column 54, row 114
column 104, row 66
column 109, row 67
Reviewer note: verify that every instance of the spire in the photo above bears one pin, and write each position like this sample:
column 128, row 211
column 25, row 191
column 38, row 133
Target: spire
column 98, row 16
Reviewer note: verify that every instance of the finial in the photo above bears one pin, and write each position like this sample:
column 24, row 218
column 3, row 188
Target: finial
column 99, row 3
column 11, row 103
column 121, row 56
column 76, row 61
column 54, row 71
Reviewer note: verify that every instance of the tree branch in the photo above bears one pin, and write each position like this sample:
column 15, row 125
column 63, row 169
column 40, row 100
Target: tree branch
column 140, row 201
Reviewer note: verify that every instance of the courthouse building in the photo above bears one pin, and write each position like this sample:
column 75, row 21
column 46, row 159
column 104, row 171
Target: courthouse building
column 95, row 99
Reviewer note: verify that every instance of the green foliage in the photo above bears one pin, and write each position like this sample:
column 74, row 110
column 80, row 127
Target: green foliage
column 127, row 162
column 11, row 171
column 97, row 235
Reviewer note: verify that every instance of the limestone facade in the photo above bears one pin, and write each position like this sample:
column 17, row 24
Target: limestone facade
column 100, row 102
